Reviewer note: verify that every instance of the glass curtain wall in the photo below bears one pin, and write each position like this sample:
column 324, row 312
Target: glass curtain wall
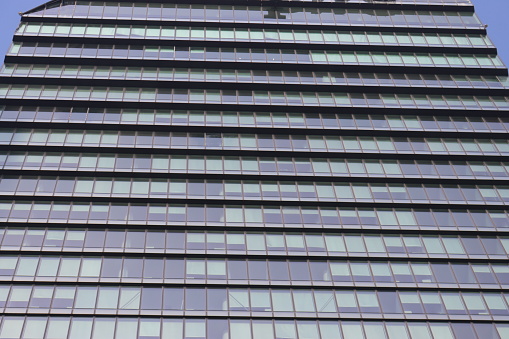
column 254, row 170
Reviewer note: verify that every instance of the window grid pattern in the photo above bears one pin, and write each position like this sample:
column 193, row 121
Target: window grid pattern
column 243, row 219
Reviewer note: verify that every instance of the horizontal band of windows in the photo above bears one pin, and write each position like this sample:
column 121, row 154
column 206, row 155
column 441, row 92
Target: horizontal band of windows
column 214, row 282
column 257, row 14
column 253, row 142
column 258, row 97
column 225, row 44
column 254, row 190
column 401, row 2
column 371, row 92
column 253, row 35
column 155, row 7
column 253, row 216
column 245, row 76
column 478, row 30
column 336, row 167
column 247, row 55
column 280, row 272
column 311, row 121
column 257, row 86
column 201, row 328
column 256, row 153
column 253, row 302
column 498, row 71
column 253, row 243
column 254, row 202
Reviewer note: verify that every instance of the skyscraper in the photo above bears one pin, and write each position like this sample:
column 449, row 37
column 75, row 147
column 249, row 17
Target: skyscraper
column 254, row 170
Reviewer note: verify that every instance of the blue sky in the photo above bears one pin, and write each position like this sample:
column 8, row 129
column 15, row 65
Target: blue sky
column 495, row 13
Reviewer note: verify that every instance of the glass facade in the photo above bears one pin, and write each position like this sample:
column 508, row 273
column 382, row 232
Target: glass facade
column 254, row 170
